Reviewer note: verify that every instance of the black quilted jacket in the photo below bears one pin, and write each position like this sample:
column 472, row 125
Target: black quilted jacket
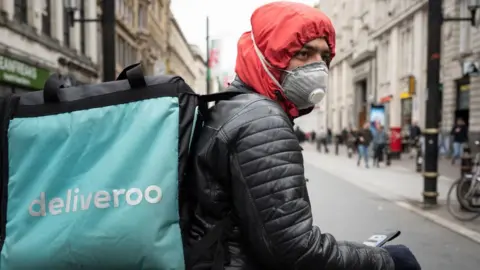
column 248, row 169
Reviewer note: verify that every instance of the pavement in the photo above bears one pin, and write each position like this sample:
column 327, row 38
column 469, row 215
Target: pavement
column 445, row 167
column 353, row 203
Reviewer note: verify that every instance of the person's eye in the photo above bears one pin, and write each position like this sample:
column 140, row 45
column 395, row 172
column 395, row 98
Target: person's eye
column 302, row 55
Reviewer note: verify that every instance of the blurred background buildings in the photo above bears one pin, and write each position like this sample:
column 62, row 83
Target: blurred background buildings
column 37, row 39
column 381, row 62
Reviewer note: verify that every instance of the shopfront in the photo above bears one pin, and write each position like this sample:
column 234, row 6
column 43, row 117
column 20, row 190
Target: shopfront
column 17, row 76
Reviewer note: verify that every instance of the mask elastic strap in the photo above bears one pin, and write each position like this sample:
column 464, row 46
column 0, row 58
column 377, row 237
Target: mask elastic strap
column 264, row 61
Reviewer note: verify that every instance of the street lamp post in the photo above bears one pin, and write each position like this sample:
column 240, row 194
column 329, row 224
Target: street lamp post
column 108, row 33
column 209, row 71
column 435, row 21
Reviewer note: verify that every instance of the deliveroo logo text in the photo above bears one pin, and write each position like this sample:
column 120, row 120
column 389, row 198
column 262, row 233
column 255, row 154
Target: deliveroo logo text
column 75, row 201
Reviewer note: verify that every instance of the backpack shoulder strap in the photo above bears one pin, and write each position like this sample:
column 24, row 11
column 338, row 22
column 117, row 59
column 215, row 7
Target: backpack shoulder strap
column 215, row 97
column 225, row 95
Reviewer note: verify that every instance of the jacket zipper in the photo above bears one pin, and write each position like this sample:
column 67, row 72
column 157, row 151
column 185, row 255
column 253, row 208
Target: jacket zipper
column 7, row 113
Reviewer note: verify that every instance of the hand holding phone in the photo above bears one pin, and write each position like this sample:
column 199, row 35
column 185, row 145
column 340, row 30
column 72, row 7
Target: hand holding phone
column 378, row 240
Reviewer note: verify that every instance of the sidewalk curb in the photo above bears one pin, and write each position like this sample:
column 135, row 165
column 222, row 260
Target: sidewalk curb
column 468, row 233
column 443, row 178
column 440, row 177
column 402, row 202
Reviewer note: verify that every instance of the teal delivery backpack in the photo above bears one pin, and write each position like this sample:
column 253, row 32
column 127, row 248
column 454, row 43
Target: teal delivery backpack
column 92, row 176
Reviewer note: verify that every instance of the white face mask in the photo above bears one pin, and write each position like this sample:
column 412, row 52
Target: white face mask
column 304, row 86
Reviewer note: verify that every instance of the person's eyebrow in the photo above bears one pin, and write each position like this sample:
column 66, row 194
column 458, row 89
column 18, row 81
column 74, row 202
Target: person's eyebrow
column 313, row 48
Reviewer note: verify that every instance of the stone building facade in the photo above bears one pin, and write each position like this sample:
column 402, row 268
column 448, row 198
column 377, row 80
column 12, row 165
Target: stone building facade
column 384, row 44
column 141, row 34
column 37, row 40
column 380, row 62
column 181, row 58
column 461, row 90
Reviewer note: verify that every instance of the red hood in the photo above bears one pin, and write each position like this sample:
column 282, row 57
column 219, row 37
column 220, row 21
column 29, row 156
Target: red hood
column 280, row 30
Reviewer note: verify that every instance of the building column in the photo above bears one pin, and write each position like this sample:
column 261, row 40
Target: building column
column 75, row 34
column 346, row 88
column 419, row 37
column 395, row 104
column 35, row 9
column 8, row 7
column 57, row 24
column 330, row 97
column 474, row 110
column 336, row 94
column 91, row 49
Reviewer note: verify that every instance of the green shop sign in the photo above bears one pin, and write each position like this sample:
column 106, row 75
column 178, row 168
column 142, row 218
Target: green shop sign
column 18, row 73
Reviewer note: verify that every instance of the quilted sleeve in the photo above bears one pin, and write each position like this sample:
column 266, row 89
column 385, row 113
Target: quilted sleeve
column 270, row 199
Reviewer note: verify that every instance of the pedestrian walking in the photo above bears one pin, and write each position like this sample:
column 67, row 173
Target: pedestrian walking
column 460, row 136
column 379, row 142
column 364, row 140
column 414, row 134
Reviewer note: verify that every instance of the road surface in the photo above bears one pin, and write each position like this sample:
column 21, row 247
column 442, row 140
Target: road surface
column 351, row 213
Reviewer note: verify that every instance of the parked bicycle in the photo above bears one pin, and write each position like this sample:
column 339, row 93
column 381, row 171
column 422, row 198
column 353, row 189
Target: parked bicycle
column 467, row 192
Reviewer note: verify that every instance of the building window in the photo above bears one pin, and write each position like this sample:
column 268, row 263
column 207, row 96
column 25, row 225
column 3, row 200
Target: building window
column 66, row 27
column 126, row 54
column 120, row 8
column 47, row 18
column 20, row 13
column 124, row 12
column 83, row 34
column 142, row 17
column 129, row 16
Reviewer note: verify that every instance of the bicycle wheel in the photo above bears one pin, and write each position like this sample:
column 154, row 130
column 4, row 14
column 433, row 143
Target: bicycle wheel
column 450, row 205
column 465, row 192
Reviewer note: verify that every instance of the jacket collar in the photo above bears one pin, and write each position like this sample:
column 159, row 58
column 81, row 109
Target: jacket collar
column 239, row 85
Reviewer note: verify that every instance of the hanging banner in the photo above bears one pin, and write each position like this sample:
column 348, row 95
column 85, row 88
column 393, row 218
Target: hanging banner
column 214, row 58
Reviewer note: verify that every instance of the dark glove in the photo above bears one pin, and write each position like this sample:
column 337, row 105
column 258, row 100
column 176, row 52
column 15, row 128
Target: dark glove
column 403, row 258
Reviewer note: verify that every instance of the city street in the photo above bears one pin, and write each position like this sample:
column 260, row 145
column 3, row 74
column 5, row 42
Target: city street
column 351, row 207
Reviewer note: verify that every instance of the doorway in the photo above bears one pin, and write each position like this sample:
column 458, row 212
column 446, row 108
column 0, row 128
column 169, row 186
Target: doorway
column 362, row 102
column 462, row 109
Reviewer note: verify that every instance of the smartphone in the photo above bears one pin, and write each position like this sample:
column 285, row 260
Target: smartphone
column 378, row 240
